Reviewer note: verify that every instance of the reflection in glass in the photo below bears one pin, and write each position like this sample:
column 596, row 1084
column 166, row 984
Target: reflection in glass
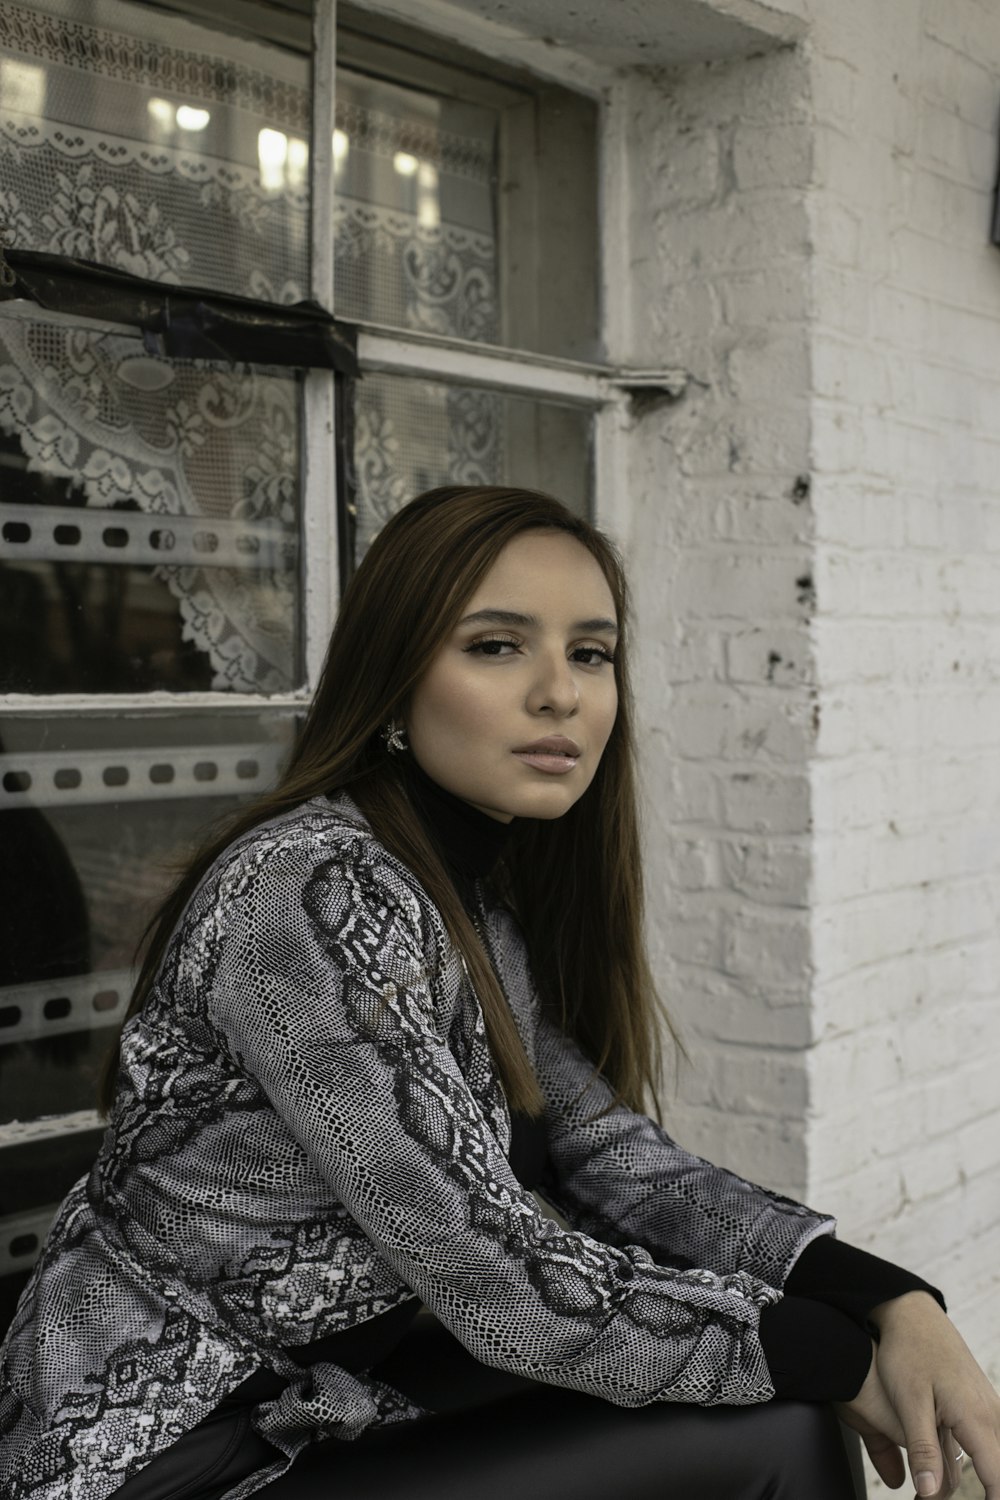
column 413, row 434
column 415, row 216
column 143, row 142
column 149, row 518
column 95, row 815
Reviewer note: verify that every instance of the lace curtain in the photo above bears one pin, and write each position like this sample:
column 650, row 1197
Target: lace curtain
column 146, row 143
column 125, row 139
column 416, row 247
column 175, row 439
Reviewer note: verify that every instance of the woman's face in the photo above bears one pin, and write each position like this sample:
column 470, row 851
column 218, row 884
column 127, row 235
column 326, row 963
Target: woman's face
column 515, row 710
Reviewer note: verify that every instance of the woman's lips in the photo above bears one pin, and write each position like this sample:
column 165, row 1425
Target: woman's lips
column 554, row 754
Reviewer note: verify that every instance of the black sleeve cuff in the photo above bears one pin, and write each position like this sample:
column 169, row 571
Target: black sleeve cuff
column 844, row 1277
column 814, row 1352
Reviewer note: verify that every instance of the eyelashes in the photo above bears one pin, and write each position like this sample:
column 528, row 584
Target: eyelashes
column 492, row 647
column 485, row 645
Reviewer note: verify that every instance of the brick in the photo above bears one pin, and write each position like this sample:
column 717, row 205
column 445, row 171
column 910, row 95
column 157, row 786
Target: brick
column 780, row 658
column 844, row 372
column 762, row 364
column 836, row 443
column 762, row 299
column 766, row 870
column 731, row 510
column 852, row 651
column 764, row 945
column 838, row 229
column 717, row 722
column 835, row 92
column 742, row 585
column 842, row 294
column 753, row 1081
column 948, row 210
column 741, row 234
column 858, row 513
column 688, row 864
column 692, row 924
column 956, row 81
column 692, row 793
column 951, row 272
column 767, row 802
column 970, row 28
column 771, row 156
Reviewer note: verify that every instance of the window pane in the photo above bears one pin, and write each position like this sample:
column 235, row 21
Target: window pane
column 149, row 518
column 144, row 142
column 413, row 434
column 94, row 813
column 464, row 206
column 415, row 219
column 34, row 1177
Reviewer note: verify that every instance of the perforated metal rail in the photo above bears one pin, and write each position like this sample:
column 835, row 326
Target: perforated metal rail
column 21, row 1237
column 69, row 533
column 52, row 778
column 52, row 1007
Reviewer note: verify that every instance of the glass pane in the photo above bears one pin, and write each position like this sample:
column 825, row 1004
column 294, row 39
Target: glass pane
column 34, row 1176
column 464, row 206
column 415, row 219
column 147, row 143
column 149, row 518
column 413, row 434
column 94, row 815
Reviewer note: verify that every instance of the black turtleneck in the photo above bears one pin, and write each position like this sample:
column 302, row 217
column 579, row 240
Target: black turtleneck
column 470, row 841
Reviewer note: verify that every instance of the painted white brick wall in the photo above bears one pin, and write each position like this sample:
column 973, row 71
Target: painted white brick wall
column 906, row 771
column 816, row 546
column 722, row 539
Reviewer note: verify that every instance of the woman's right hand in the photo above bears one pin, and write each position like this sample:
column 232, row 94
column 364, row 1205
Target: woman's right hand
column 871, row 1415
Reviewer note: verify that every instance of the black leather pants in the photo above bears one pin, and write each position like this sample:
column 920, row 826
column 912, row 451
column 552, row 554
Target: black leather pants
column 494, row 1436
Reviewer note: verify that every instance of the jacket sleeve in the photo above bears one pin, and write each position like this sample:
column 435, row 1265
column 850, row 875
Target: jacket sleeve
column 320, row 990
column 617, row 1175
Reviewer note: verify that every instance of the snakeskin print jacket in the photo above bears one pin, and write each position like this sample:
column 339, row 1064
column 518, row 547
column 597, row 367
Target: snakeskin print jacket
column 309, row 1131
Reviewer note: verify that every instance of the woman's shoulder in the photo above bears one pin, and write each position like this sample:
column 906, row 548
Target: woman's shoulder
column 324, row 844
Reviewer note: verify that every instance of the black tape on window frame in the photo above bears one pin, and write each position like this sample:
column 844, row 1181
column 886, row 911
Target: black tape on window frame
column 184, row 322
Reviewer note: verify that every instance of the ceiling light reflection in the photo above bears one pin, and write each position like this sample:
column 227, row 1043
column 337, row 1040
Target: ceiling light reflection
column 189, row 118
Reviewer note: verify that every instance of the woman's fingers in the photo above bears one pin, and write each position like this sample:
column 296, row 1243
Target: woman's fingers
column 923, row 1451
column 981, row 1442
column 887, row 1460
column 931, row 1380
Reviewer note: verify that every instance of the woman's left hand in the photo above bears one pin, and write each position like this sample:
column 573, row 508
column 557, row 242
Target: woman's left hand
column 933, row 1383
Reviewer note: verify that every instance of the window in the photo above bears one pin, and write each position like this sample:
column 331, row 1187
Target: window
column 174, row 528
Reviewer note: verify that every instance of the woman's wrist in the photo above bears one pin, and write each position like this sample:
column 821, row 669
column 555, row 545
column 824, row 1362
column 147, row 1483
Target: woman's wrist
column 904, row 1309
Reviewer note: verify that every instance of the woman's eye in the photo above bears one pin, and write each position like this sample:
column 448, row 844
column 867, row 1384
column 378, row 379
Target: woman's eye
column 593, row 656
column 494, row 646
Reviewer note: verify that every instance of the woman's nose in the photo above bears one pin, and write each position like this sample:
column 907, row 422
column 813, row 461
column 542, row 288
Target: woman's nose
column 555, row 688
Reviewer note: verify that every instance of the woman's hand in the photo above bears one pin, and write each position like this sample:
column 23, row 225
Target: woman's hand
column 871, row 1414
column 925, row 1373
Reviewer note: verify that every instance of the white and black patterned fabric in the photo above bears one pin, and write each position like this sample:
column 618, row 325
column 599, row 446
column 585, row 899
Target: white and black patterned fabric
column 309, row 1130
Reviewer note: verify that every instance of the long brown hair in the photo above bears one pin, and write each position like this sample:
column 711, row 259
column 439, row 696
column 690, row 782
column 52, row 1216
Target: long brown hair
column 573, row 883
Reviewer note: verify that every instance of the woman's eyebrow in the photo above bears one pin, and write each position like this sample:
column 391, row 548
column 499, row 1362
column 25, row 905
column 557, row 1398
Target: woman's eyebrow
column 599, row 625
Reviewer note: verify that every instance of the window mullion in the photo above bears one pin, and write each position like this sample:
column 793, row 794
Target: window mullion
column 319, row 519
column 496, row 369
column 44, row 705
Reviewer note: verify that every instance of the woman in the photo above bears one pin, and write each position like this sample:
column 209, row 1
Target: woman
column 366, row 1025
